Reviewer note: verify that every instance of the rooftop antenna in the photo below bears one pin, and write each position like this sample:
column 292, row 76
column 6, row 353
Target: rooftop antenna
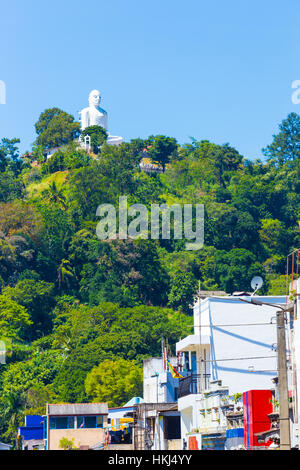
column 256, row 284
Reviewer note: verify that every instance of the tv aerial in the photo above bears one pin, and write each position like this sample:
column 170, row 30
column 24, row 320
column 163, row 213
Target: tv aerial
column 256, row 284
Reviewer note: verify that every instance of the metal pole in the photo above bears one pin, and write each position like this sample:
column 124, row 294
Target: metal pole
column 285, row 438
column 200, row 383
column 158, row 421
column 284, row 418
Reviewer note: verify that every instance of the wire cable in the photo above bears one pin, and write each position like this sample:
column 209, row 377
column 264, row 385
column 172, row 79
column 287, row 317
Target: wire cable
column 241, row 358
column 233, row 324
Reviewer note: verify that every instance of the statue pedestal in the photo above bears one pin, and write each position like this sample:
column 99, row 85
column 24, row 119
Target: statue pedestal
column 111, row 140
column 114, row 140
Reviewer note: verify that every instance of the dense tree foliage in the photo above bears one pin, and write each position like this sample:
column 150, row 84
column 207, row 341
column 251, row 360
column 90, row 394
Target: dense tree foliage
column 81, row 312
column 37, row 298
column 114, row 382
column 161, row 149
column 98, row 137
column 286, row 144
column 56, row 127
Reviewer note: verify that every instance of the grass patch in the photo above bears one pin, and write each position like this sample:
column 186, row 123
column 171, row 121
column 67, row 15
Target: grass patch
column 34, row 190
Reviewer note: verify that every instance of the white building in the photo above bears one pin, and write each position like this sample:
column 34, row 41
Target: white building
column 233, row 342
column 159, row 385
column 159, row 417
column 5, row 446
column 294, row 376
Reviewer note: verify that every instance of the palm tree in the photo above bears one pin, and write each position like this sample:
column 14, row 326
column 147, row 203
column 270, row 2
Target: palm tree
column 65, row 272
column 54, row 194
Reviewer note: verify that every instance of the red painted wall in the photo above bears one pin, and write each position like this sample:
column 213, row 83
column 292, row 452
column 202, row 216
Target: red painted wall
column 257, row 406
column 193, row 443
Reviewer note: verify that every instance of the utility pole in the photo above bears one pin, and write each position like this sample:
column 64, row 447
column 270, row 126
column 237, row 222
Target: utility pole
column 200, row 363
column 285, row 438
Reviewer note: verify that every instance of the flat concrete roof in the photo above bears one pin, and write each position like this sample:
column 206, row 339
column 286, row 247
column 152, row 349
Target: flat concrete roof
column 192, row 343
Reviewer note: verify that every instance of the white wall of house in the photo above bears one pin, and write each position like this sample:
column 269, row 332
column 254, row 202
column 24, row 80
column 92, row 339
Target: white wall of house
column 5, row 446
column 160, row 439
column 159, row 385
column 238, row 342
column 296, row 362
column 204, row 412
column 190, row 415
column 213, row 406
column 242, row 340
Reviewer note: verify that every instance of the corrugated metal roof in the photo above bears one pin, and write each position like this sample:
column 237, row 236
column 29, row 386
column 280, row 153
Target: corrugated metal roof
column 78, row 409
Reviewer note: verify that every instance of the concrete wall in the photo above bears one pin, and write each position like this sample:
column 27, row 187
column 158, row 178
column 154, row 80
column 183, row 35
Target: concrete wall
column 295, row 432
column 203, row 412
column 114, row 447
column 174, row 444
column 227, row 322
column 82, row 437
column 190, row 415
column 241, row 340
column 159, row 389
column 160, row 440
column 5, row 446
column 33, row 444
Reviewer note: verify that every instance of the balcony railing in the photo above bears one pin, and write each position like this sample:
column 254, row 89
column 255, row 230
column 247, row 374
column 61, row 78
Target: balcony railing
column 193, row 384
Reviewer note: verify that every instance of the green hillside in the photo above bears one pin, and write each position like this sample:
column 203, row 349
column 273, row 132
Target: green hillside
column 69, row 302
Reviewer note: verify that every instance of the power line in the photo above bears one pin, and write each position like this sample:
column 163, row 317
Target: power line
column 241, row 358
column 233, row 324
column 267, row 370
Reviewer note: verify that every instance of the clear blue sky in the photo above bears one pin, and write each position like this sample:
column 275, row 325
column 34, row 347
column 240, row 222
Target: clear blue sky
column 218, row 70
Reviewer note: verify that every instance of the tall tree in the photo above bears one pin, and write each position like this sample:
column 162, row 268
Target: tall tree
column 115, row 382
column 161, row 149
column 183, row 289
column 286, row 144
column 9, row 156
column 55, row 128
column 55, row 194
column 65, row 273
column 38, row 298
column 98, row 136
column 13, row 318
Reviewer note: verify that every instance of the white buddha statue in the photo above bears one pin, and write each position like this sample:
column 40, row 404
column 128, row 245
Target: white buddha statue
column 96, row 116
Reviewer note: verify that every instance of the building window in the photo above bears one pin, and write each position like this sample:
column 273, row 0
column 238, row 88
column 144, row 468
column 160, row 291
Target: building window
column 172, row 427
column 89, row 422
column 186, row 361
column 194, row 362
column 45, row 428
column 66, row 422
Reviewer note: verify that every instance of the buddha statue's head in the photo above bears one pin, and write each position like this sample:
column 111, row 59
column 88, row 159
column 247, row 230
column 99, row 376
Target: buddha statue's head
column 94, row 98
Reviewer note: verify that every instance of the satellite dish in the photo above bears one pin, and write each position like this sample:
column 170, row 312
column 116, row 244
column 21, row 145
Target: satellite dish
column 256, row 283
